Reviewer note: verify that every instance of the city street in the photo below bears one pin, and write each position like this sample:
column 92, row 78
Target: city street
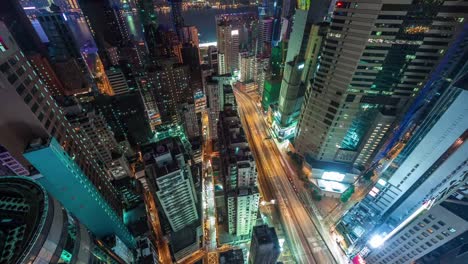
column 276, row 182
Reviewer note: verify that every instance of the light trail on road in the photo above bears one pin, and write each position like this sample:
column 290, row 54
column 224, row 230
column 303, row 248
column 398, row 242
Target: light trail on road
column 305, row 241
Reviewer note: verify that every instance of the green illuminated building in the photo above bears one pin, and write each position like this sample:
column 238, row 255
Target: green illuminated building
column 271, row 93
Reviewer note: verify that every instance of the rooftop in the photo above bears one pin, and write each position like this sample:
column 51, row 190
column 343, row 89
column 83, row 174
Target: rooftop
column 265, row 235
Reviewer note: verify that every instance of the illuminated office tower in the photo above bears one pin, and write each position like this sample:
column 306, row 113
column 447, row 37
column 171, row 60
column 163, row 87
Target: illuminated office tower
column 61, row 42
column 425, row 166
column 234, row 32
column 264, row 247
column 369, row 66
column 292, row 85
column 37, row 115
column 64, row 51
column 44, row 69
column 168, row 170
column 37, row 228
column 107, row 24
column 443, row 227
column 295, row 74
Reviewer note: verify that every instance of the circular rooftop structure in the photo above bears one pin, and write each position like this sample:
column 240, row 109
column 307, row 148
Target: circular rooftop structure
column 23, row 210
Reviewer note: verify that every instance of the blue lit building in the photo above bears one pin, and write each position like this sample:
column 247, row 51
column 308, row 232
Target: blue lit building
column 61, row 176
column 424, row 168
column 36, row 228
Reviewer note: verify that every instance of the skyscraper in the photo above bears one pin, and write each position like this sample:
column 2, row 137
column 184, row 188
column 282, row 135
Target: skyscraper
column 295, row 77
column 428, row 231
column 423, row 169
column 167, row 169
column 38, row 228
column 264, row 248
column 37, row 115
column 234, row 32
column 46, row 72
column 170, row 84
column 265, row 30
column 107, row 25
column 369, row 68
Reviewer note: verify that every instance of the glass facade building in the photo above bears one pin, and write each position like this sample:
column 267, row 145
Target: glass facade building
column 35, row 228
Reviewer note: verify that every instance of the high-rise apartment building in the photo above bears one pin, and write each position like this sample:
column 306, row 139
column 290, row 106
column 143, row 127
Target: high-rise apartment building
column 190, row 119
column 117, row 81
column 239, row 167
column 167, row 169
column 423, row 168
column 215, row 93
column 428, row 231
column 125, row 114
column 246, row 67
column 265, row 30
column 163, row 89
column 37, row 228
column 189, row 34
column 213, row 57
column 239, row 174
column 92, row 126
column 371, row 63
column 28, row 112
column 261, row 71
column 242, row 205
column 234, row 32
column 264, row 247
